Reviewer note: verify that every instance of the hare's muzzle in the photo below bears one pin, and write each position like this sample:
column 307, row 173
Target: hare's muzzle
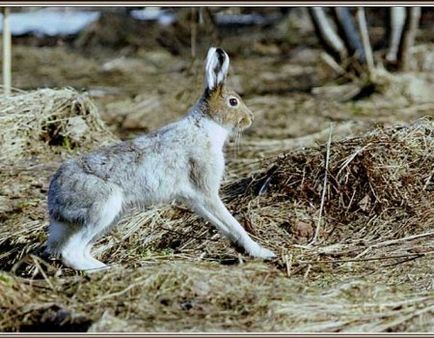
column 246, row 121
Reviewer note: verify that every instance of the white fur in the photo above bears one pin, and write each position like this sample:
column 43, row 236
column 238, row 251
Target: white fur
column 76, row 249
column 215, row 72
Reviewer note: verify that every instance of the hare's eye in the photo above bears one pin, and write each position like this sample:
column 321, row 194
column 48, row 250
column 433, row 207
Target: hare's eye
column 233, row 101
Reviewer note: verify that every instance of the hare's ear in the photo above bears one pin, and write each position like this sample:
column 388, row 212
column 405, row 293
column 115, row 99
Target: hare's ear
column 216, row 67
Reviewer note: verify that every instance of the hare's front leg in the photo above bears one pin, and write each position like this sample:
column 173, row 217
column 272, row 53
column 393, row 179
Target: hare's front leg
column 215, row 212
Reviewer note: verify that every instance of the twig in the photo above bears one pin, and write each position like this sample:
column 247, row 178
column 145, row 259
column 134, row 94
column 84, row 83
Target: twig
column 350, row 158
column 41, row 270
column 119, row 293
column 333, row 64
column 428, row 180
column 416, row 255
column 306, row 274
column 394, row 241
column 288, row 263
column 318, row 226
column 405, row 260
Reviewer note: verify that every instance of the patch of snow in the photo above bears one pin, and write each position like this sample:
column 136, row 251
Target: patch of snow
column 49, row 22
column 164, row 17
column 240, row 19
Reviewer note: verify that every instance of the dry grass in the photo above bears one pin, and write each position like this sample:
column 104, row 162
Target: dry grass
column 369, row 270
column 31, row 121
column 193, row 296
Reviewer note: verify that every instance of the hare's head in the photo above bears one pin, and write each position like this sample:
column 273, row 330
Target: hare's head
column 223, row 105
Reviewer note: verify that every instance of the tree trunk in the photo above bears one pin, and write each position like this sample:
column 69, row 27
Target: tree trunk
column 363, row 28
column 7, row 45
column 397, row 21
column 349, row 34
column 326, row 34
column 407, row 40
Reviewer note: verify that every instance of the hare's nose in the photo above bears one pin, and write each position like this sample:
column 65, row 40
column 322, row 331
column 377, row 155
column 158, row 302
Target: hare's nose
column 252, row 117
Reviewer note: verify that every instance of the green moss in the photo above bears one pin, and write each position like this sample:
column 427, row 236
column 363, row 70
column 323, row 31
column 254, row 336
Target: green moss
column 6, row 280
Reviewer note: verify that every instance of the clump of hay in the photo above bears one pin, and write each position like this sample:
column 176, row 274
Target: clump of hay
column 33, row 121
column 379, row 187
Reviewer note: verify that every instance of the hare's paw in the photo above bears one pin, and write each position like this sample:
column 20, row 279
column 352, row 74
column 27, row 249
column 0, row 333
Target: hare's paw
column 102, row 267
column 79, row 262
column 260, row 252
column 94, row 265
column 265, row 254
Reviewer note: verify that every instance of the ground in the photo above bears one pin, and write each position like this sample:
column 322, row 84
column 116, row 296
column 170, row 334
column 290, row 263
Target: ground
column 371, row 266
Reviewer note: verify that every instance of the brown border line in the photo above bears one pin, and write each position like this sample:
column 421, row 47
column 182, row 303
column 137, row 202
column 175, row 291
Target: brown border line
column 193, row 3
column 217, row 335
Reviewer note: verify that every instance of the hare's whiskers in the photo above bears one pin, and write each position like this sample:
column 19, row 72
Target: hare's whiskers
column 237, row 142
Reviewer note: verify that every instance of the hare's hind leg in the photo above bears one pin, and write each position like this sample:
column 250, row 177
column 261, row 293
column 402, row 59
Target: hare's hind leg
column 58, row 232
column 65, row 240
column 76, row 251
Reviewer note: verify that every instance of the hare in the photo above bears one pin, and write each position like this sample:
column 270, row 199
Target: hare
column 183, row 161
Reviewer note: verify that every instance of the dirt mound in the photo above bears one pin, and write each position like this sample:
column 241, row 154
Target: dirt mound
column 380, row 184
column 34, row 122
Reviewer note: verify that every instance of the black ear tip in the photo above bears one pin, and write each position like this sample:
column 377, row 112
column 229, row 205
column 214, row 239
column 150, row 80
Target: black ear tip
column 220, row 51
column 220, row 54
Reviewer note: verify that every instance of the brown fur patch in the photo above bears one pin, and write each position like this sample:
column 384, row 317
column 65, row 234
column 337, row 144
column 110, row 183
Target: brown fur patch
column 219, row 110
column 195, row 173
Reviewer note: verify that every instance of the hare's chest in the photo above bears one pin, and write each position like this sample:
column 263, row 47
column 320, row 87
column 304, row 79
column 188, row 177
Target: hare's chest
column 215, row 168
column 206, row 172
